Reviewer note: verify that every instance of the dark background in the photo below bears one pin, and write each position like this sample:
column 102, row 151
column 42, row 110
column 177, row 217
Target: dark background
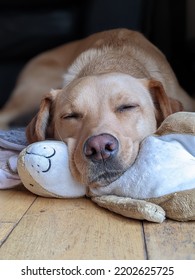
column 30, row 27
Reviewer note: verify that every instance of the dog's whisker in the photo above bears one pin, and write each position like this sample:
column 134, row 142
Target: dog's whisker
column 59, row 135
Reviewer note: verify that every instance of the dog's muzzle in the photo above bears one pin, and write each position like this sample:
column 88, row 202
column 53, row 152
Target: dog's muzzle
column 101, row 152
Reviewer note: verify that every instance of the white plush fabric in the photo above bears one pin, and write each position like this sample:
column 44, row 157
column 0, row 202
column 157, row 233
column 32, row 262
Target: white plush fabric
column 165, row 165
column 11, row 143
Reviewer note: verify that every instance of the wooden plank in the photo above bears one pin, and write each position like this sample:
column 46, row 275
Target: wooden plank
column 73, row 229
column 170, row 240
column 13, row 204
column 5, row 230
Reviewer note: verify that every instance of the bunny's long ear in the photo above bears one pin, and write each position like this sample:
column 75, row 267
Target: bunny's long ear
column 41, row 126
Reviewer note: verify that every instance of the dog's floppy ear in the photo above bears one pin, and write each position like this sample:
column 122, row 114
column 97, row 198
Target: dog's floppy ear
column 40, row 127
column 164, row 105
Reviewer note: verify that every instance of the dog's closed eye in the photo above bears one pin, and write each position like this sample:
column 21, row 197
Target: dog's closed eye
column 72, row 115
column 126, row 107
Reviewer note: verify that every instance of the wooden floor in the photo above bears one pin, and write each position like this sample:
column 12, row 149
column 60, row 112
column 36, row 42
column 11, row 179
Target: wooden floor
column 32, row 227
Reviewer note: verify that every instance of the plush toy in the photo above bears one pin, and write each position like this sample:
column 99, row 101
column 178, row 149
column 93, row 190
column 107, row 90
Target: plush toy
column 159, row 184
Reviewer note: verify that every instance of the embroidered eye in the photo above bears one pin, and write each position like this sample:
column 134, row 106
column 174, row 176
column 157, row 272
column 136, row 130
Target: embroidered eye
column 125, row 107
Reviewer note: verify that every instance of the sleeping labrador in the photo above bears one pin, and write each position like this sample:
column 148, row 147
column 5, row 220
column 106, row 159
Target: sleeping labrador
column 115, row 88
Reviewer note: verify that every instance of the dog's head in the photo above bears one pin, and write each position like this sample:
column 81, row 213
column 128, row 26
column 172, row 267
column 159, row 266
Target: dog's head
column 102, row 119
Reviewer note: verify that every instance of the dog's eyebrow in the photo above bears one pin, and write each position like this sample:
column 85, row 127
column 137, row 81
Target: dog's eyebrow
column 67, row 98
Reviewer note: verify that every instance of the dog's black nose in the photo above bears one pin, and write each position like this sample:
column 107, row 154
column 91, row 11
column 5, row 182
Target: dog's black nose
column 101, row 147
